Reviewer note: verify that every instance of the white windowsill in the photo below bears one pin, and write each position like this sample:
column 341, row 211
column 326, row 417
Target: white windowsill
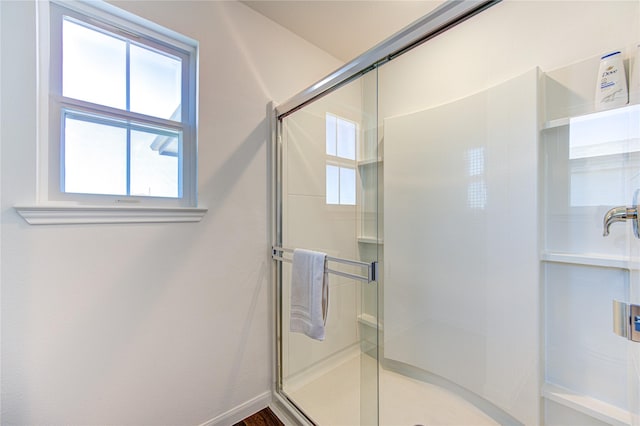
column 63, row 215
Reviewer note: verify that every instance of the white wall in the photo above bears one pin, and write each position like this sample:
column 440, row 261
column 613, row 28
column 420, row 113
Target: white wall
column 155, row 323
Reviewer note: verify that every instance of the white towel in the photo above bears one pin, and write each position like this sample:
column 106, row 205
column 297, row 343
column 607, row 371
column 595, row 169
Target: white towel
column 309, row 293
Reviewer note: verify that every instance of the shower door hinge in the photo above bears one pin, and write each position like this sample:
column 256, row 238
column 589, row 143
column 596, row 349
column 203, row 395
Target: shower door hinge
column 626, row 320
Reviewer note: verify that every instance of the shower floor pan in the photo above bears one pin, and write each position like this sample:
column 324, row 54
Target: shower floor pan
column 335, row 399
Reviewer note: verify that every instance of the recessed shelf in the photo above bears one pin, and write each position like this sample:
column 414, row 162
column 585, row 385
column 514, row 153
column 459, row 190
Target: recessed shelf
column 370, row 162
column 584, row 404
column 369, row 240
column 369, row 320
column 618, row 262
column 552, row 124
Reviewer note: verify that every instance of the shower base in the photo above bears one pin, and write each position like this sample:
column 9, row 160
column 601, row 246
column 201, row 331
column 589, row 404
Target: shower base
column 334, row 398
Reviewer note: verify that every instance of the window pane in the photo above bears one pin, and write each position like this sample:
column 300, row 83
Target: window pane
column 154, row 165
column 346, row 139
column 331, row 134
column 155, row 83
column 95, row 158
column 93, row 66
column 333, row 185
column 347, row 186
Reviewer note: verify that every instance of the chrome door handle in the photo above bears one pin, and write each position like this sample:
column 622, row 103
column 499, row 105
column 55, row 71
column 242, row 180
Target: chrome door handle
column 626, row 320
column 621, row 214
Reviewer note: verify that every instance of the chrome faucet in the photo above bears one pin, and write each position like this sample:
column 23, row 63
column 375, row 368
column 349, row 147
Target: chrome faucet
column 620, row 214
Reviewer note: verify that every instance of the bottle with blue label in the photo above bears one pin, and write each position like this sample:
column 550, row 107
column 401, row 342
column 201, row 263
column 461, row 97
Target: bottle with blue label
column 611, row 87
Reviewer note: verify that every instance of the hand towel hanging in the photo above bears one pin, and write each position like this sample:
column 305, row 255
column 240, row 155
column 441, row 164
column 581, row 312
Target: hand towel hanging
column 309, row 293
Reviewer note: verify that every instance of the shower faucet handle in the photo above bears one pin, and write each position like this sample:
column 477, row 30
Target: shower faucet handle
column 621, row 214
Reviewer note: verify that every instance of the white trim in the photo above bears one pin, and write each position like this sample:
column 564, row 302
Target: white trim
column 57, row 215
column 287, row 413
column 584, row 404
column 129, row 22
column 43, row 67
column 604, row 261
column 51, row 103
column 241, row 411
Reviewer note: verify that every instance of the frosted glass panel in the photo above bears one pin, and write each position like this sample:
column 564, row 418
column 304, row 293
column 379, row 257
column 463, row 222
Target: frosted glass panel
column 155, row 83
column 94, row 66
column 154, row 172
column 95, row 158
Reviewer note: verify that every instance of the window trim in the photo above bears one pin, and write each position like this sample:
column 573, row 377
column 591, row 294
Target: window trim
column 48, row 194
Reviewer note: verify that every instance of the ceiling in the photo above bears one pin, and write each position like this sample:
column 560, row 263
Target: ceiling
column 345, row 29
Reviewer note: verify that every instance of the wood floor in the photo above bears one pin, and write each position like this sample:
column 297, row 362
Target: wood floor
column 261, row 418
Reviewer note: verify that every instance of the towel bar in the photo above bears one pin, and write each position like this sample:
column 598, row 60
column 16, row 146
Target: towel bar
column 372, row 268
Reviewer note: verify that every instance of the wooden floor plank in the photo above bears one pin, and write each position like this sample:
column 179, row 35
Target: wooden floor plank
column 264, row 417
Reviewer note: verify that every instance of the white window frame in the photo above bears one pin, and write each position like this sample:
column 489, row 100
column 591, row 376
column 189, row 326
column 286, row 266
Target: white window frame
column 55, row 206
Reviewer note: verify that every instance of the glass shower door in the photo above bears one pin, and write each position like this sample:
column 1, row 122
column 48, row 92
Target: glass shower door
column 483, row 158
column 329, row 204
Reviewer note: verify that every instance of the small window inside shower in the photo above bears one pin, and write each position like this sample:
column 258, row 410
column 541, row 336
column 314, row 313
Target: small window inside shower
column 340, row 170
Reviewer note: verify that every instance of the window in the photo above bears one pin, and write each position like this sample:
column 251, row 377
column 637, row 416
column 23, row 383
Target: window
column 122, row 110
column 341, row 156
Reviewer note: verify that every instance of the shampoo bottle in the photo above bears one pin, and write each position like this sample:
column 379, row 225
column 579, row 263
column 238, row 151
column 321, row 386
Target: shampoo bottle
column 611, row 88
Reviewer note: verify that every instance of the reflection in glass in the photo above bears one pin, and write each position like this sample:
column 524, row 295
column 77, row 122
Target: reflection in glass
column 333, row 185
column 347, row 186
column 331, row 134
column 346, row 141
column 477, row 188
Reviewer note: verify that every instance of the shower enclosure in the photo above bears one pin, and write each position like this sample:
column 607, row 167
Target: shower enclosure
column 458, row 175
